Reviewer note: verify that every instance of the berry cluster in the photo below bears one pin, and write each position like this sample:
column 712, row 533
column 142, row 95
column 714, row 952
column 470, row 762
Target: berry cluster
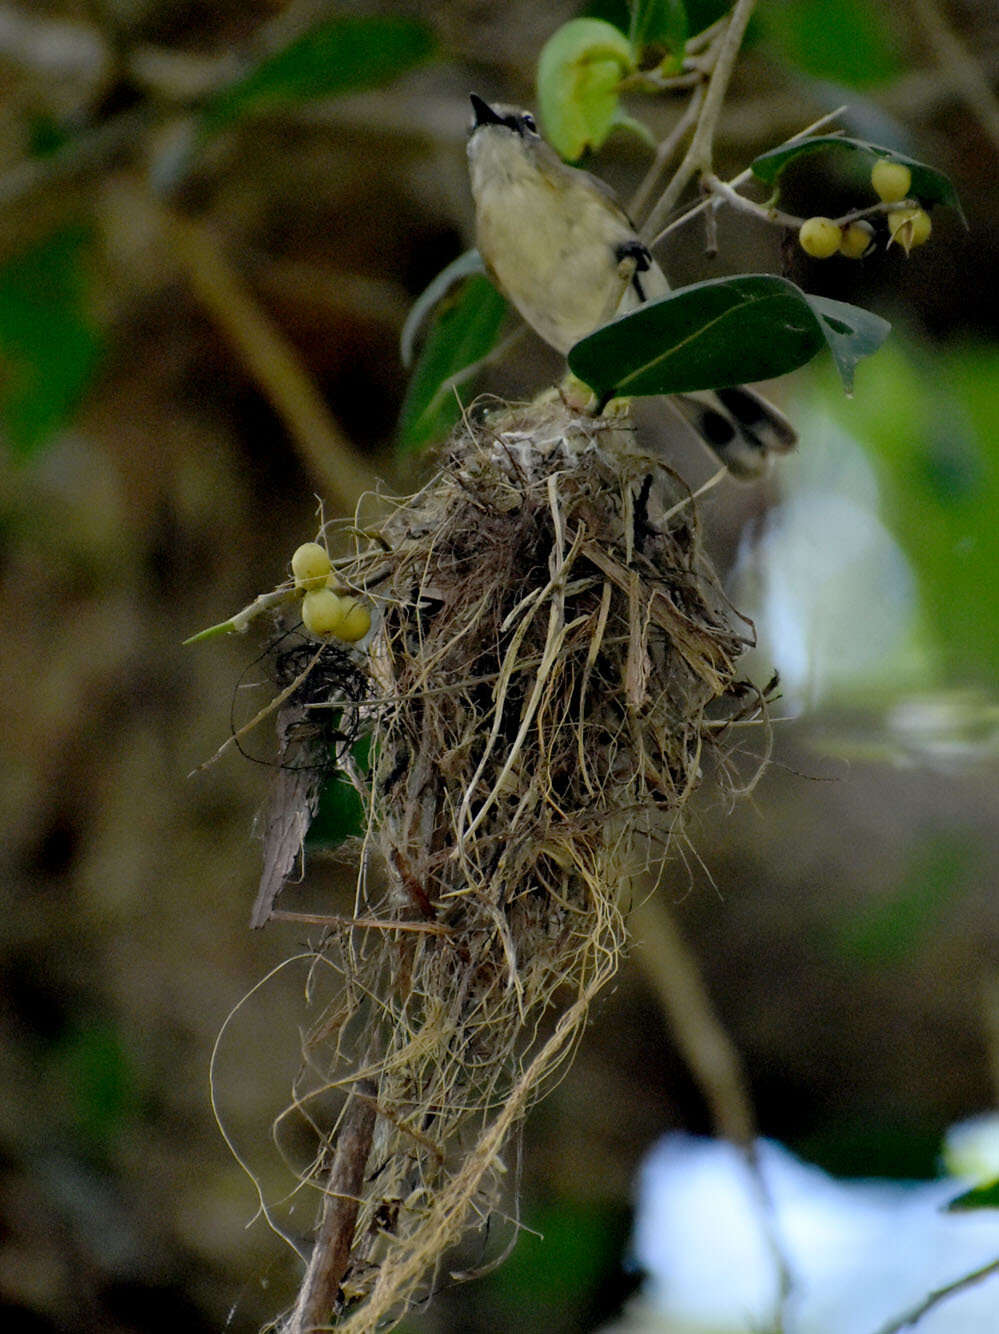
column 908, row 226
column 327, row 611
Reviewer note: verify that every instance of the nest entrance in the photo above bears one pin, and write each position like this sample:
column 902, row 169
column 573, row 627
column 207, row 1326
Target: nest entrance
column 553, row 657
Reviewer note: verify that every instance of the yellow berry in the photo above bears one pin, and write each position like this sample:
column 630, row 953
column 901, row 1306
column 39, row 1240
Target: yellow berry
column 909, row 227
column 310, row 565
column 819, row 237
column 856, row 239
column 322, row 612
column 891, row 180
column 355, row 621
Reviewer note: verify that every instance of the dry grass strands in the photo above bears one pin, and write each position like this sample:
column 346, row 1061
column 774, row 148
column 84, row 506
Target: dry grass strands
column 552, row 659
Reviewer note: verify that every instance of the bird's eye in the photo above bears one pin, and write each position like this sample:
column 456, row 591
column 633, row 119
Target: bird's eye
column 529, row 123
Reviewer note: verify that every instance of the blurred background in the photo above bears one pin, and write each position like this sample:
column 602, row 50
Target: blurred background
column 207, row 251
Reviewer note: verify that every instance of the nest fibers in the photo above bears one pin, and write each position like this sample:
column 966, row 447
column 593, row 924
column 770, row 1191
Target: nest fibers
column 552, row 658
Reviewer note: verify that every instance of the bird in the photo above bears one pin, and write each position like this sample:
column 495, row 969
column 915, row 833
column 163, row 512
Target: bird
column 561, row 248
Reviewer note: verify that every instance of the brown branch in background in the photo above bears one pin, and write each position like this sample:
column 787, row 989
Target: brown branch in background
column 673, row 972
column 320, row 1289
column 959, row 67
column 340, row 473
column 671, row 967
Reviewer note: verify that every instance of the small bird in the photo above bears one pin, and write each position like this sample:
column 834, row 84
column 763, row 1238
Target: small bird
column 560, row 247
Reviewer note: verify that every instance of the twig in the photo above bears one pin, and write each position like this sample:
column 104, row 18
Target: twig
column 270, row 358
column 672, row 969
column 361, row 923
column 700, row 154
column 665, row 152
column 320, row 1289
column 742, row 178
column 938, row 1295
column 767, row 213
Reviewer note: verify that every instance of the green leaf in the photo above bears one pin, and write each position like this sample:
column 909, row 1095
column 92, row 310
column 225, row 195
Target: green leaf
column 929, row 186
column 658, row 23
column 979, row 1197
column 465, row 329
column 341, row 56
column 579, row 70
column 843, row 41
column 468, row 263
column 49, row 348
column 851, row 333
column 702, row 13
column 890, row 927
column 341, row 812
column 722, row 332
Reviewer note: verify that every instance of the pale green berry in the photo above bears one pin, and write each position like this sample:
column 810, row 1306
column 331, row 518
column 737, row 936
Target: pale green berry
column 355, row 620
column 819, row 237
column 891, row 180
column 856, row 240
column 322, row 612
column 909, row 227
column 310, row 565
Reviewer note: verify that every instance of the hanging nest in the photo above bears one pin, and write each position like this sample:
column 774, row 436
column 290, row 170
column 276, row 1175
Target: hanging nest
column 552, row 662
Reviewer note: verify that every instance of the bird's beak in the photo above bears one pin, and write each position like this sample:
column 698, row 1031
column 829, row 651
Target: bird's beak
column 484, row 114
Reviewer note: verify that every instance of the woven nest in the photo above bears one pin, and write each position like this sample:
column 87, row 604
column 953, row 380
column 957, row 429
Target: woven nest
column 552, row 659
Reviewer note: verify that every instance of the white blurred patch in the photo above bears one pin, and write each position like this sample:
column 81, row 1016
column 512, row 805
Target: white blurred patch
column 830, row 590
column 860, row 1253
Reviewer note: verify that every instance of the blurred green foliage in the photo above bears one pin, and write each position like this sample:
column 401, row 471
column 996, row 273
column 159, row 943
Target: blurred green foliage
column 343, row 55
column 845, row 41
column 565, row 1252
column 463, row 331
column 928, row 420
column 49, row 347
column 91, row 1064
column 979, row 1197
column 891, row 927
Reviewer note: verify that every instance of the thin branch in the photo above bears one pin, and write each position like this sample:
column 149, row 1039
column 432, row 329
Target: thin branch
column 742, row 178
column 320, row 1290
column 272, row 361
column 938, row 1295
column 767, row 213
column 700, row 154
column 665, row 152
column 672, row 969
column 673, row 972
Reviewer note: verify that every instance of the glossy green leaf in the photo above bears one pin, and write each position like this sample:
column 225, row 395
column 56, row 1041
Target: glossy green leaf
column 658, row 23
column 979, row 1197
column 466, row 328
column 341, row 56
column 579, row 70
column 929, row 186
column 49, row 348
column 844, row 41
column 725, row 331
column 341, row 813
column 851, row 333
column 466, row 264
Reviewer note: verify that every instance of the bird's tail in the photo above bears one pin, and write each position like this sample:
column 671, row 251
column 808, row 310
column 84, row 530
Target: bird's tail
column 742, row 428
